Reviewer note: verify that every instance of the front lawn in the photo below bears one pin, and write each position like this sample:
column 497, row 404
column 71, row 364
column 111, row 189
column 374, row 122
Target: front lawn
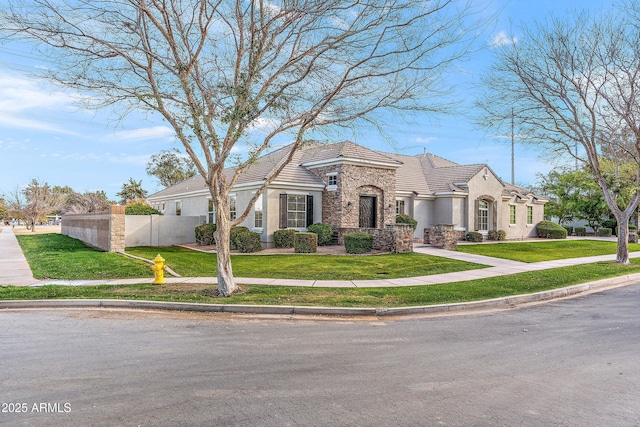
column 191, row 263
column 54, row 256
column 473, row 290
column 545, row 251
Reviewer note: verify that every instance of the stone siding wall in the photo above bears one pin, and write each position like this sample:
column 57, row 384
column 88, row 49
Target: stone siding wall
column 460, row 235
column 340, row 207
column 443, row 236
column 394, row 238
column 104, row 230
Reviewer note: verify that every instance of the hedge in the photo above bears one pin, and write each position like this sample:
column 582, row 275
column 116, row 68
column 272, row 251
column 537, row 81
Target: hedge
column 305, row 243
column 140, row 209
column 235, row 232
column 324, row 232
column 497, row 235
column 406, row 219
column 604, row 232
column 580, row 231
column 284, row 238
column 248, row 242
column 204, row 234
column 551, row 230
column 569, row 229
column 358, row 243
column 474, row 236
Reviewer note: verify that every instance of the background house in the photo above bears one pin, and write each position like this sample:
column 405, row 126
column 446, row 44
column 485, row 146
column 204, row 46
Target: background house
column 350, row 186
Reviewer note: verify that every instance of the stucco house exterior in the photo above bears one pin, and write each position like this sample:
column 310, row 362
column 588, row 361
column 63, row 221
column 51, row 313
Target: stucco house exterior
column 350, row 186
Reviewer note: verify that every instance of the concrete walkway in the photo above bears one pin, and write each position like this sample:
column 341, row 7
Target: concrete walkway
column 14, row 270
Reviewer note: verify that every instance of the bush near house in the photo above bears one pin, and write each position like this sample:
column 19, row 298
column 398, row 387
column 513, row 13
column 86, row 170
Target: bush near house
column 140, row 209
column 580, row 231
column 358, row 243
column 406, row 219
column 497, row 235
column 248, row 242
column 204, row 234
column 284, row 238
column 604, row 232
column 235, row 232
column 305, row 243
column 551, row 230
column 474, row 236
column 324, row 232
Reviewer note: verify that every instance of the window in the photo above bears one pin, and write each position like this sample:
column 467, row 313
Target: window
column 512, row 214
column 483, row 215
column 211, row 212
column 257, row 213
column 399, row 207
column 296, row 210
column 332, row 181
column 178, row 208
column 529, row 215
column 232, row 207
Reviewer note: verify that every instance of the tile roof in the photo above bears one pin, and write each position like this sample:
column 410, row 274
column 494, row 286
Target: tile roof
column 424, row 174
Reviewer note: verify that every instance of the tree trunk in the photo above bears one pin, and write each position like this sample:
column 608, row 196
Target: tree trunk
column 622, row 254
column 226, row 282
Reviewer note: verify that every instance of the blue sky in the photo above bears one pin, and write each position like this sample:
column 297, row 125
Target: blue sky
column 45, row 135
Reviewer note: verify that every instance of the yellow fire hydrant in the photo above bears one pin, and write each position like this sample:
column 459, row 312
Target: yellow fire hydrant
column 158, row 269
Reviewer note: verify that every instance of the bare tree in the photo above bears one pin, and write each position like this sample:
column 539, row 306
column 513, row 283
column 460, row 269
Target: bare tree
column 35, row 202
column 571, row 86
column 255, row 73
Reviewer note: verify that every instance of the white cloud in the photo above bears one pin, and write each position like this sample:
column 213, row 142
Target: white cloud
column 424, row 140
column 142, row 134
column 502, row 39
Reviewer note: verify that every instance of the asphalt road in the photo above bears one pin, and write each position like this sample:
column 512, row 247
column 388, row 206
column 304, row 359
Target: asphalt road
column 573, row 362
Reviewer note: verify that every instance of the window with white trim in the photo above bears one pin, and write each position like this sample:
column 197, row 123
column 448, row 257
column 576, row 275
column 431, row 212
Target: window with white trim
column 211, row 212
column 232, row 207
column 483, row 215
column 179, row 208
column 296, row 211
column 332, row 181
column 399, row 207
column 529, row 215
column 512, row 214
column 257, row 213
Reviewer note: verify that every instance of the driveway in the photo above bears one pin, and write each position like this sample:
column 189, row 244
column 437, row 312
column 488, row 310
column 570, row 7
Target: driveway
column 565, row 363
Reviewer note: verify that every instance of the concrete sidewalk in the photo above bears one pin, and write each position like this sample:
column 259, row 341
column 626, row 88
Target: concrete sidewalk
column 14, row 270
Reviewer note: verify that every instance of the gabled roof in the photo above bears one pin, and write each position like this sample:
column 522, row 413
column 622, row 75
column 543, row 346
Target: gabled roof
column 425, row 174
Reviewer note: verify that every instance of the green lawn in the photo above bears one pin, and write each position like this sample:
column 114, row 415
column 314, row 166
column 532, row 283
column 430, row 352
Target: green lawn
column 545, row 251
column 56, row 256
column 473, row 290
column 190, row 263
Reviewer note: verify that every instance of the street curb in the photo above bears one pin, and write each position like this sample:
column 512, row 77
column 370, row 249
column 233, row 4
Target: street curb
column 442, row 309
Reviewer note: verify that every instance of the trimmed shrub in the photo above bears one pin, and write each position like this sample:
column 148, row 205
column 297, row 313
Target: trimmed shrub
column 581, row 231
column 248, row 242
column 140, row 209
column 604, row 232
column 474, row 236
column 569, row 229
column 406, row 219
column 611, row 223
column 497, row 235
column 305, row 243
column 284, row 238
column 358, row 243
column 235, row 232
column 204, row 234
column 324, row 232
column 551, row 230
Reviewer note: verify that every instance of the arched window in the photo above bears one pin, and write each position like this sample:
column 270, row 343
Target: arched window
column 483, row 215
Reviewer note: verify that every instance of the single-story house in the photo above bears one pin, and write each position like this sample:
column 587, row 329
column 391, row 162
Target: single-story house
column 350, row 186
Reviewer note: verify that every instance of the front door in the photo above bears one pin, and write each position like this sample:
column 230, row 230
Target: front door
column 367, row 211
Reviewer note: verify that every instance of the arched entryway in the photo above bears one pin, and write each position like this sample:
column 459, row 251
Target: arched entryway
column 485, row 214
